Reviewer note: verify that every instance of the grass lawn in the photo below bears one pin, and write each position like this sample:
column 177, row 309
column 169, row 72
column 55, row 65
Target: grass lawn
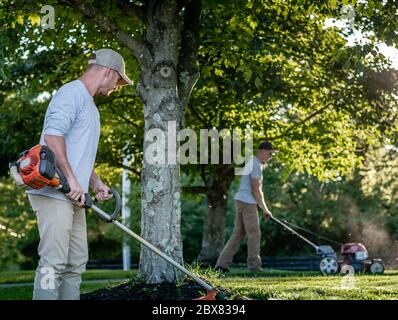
column 287, row 285
column 270, row 284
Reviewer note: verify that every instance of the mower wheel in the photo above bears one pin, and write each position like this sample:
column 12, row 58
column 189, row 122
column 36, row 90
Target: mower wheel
column 377, row 267
column 328, row 265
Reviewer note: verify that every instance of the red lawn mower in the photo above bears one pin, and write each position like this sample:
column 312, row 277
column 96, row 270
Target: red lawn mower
column 352, row 254
column 356, row 255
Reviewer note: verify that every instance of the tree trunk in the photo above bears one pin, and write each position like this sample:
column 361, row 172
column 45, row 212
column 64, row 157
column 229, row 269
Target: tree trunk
column 214, row 225
column 161, row 209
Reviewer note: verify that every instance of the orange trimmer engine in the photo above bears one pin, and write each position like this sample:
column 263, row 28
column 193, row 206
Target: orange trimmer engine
column 37, row 169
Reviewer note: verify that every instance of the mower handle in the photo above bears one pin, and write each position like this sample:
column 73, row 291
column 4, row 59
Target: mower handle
column 295, row 233
column 116, row 210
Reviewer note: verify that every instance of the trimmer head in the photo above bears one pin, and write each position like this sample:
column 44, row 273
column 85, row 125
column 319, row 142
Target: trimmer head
column 212, row 295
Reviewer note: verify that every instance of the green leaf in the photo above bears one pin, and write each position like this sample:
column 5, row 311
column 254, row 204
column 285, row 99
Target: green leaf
column 360, row 8
column 218, row 72
column 257, row 82
column 247, row 75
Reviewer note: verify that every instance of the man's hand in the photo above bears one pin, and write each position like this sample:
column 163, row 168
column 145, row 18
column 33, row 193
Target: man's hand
column 101, row 191
column 267, row 213
column 76, row 192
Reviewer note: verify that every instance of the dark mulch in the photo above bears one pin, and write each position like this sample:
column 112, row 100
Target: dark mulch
column 138, row 290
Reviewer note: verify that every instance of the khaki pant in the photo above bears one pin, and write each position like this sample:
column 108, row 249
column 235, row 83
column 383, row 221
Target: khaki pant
column 62, row 249
column 246, row 223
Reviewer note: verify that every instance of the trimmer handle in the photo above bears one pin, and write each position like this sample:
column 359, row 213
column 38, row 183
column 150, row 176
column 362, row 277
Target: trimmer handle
column 64, row 188
column 87, row 200
column 118, row 204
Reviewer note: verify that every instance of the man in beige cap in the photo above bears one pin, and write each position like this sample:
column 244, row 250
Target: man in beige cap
column 72, row 129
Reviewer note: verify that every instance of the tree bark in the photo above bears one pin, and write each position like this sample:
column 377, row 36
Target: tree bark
column 161, row 207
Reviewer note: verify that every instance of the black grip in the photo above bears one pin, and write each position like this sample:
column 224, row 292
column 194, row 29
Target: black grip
column 118, row 204
column 87, row 201
column 66, row 189
column 63, row 181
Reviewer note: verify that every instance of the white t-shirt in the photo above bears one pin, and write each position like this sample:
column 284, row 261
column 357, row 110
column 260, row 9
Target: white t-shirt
column 245, row 193
column 72, row 114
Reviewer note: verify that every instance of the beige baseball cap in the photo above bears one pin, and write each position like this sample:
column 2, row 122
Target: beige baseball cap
column 111, row 59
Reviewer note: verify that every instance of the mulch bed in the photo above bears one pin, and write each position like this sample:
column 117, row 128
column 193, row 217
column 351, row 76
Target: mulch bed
column 138, row 290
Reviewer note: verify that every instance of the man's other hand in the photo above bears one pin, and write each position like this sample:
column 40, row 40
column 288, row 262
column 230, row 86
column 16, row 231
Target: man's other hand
column 267, row 213
column 102, row 191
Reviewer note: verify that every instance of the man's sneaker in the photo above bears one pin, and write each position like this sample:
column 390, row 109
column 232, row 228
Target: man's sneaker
column 221, row 269
column 256, row 270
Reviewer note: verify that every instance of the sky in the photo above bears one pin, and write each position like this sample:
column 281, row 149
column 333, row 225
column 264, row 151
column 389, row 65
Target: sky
column 347, row 21
column 391, row 53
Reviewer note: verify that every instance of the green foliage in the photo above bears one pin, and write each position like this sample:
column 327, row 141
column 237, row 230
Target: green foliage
column 277, row 69
column 270, row 65
column 17, row 227
column 35, row 62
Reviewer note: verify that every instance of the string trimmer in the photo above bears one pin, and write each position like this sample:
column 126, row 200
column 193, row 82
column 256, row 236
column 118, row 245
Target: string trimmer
column 36, row 168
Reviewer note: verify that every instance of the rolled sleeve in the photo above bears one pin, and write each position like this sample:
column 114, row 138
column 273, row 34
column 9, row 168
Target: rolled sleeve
column 61, row 113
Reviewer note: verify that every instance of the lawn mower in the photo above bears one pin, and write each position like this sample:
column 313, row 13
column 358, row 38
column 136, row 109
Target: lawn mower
column 356, row 255
column 352, row 254
column 36, row 168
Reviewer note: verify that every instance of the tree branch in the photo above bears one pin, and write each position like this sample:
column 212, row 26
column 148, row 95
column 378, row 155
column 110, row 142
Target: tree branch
column 139, row 50
column 131, row 169
column 188, row 73
column 132, row 9
column 309, row 117
column 127, row 120
column 198, row 115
